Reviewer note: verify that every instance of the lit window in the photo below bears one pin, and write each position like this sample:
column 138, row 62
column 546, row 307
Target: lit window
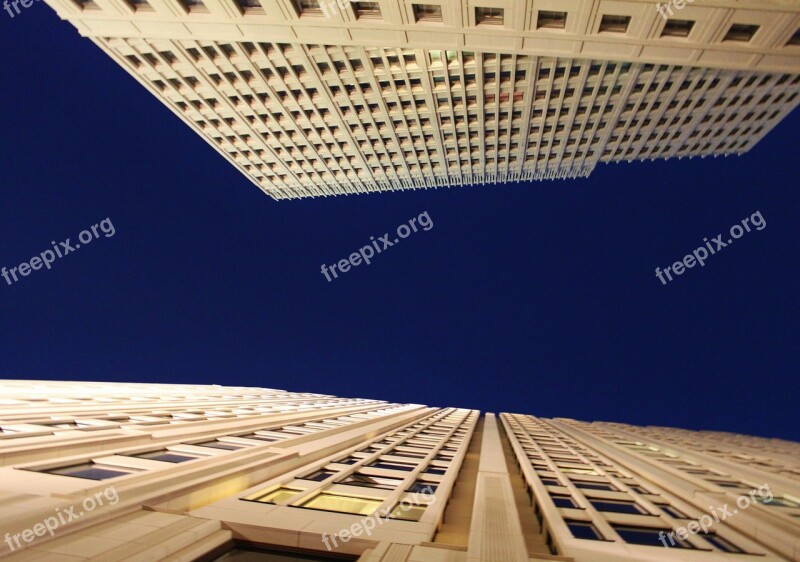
column 551, row 20
column 488, row 16
column 342, row 504
column 367, row 10
column 583, row 530
column 614, row 24
column 407, row 510
column 741, row 32
column 91, row 471
column 276, row 496
column 427, row 13
column 677, row 28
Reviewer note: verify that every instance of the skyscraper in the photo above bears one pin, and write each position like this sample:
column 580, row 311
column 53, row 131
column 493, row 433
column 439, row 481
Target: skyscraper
column 104, row 471
column 321, row 97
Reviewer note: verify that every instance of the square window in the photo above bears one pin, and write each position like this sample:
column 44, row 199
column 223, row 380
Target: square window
column 488, row 16
column 407, row 510
column 614, row 24
column 367, row 10
column 429, row 13
column 649, row 536
column 618, row 507
column 140, row 5
column 563, row 501
column 90, row 471
column 423, row 486
column 194, row 6
column 166, row 456
column 216, row 444
column 251, row 6
column 318, row 476
column 741, row 32
column 342, row 504
column 308, row 8
column 583, row 530
column 677, row 28
column 382, row 482
column 551, row 20
column 595, row 486
column 722, row 544
column 276, row 496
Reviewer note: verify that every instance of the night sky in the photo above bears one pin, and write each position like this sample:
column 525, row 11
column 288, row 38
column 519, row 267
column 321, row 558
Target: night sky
column 534, row 298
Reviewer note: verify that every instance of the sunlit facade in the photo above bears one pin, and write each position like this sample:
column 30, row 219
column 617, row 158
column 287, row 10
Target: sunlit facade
column 103, row 471
column 311, row 98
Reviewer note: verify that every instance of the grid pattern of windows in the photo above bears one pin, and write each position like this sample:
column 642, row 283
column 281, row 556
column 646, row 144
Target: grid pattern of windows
column 595, row 497
column 312, row 120
column 398, row 474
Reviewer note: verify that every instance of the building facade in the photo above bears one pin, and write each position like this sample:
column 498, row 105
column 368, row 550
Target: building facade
column 326, row 97
column 105, row 471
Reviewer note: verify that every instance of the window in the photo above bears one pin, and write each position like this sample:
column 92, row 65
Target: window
column 583, row 530
column 488, row 16
column 551, row 20
column 140, row 5
column 741, row 32
column 618, row 507
column 795, row 39
column 649, row 536
column 423, row 486
column 308, row 8
column 722, row 544
column 382, row 482
column 407, row 510
column 614, row 24
column 563, row 501
column 595, row 486
column 251, row 6
column 427, row 13
column 677, row 28
column 367, row 10
column 672, row 512
column 217, row 444
column 193, row 6
column 276, row 496
column 90, row 471
column 342, row 504
column 392, row 466
column 165, row 455
column 318, row 476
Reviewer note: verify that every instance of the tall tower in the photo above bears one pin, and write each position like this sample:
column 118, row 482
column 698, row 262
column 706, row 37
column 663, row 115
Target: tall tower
column 315, row 97
column 106, row 472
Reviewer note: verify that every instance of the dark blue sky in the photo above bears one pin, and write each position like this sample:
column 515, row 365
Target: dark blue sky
column 535, row 298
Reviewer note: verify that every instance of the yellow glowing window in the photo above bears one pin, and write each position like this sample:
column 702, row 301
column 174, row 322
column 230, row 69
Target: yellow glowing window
column 343, row 504
column 407, row 511
column 277, row 496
